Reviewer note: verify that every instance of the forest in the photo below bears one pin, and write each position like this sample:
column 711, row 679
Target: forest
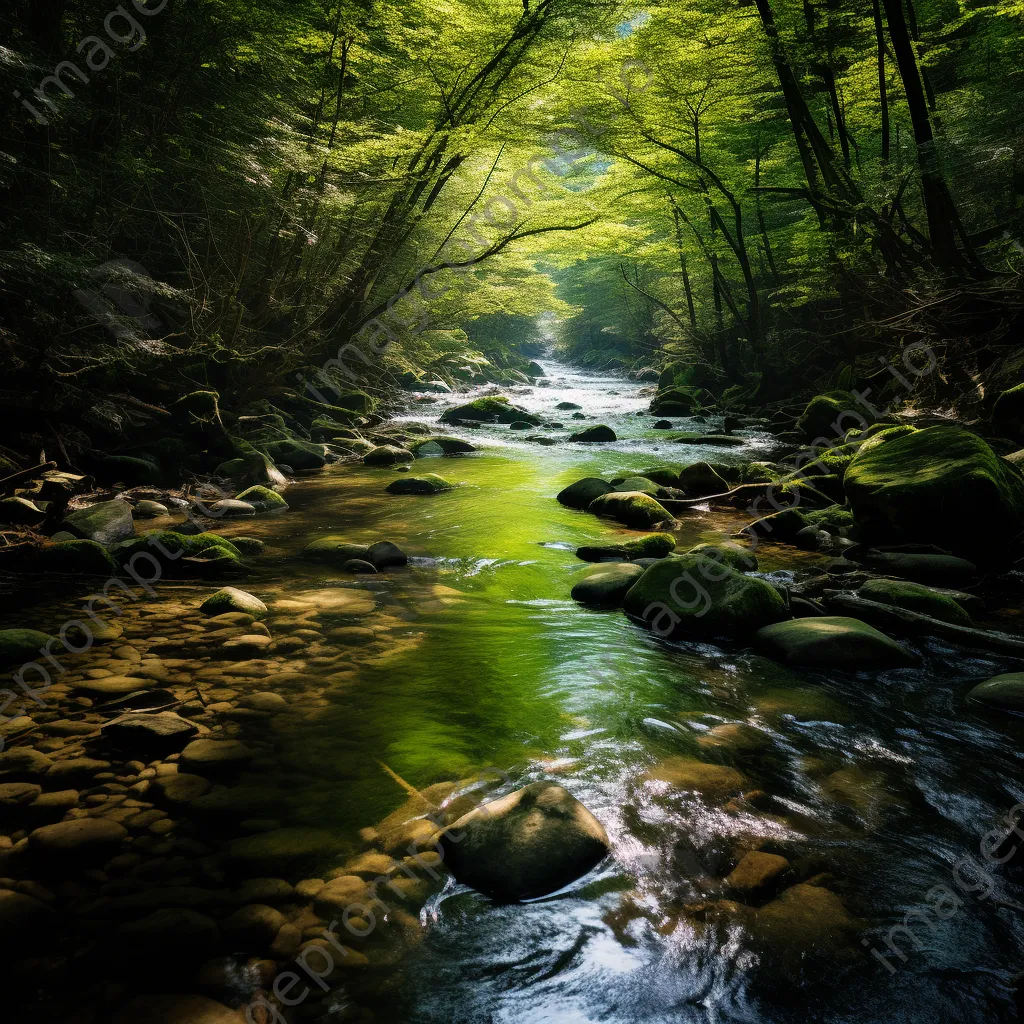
column 511, row 510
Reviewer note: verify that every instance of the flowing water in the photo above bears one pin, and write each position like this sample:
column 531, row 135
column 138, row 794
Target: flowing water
column 874, row 784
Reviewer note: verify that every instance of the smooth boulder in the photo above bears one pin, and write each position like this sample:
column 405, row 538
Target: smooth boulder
column 834, row 641
column 429, row 483
column 529, row 843
column 1004, row 692
column 607, row 586
column 631, row 508
column 107, row 522
column 654, row 545
column 693, row 595
column 580, row 494
column 916, row 598
column 230, row 599
column 594, row 435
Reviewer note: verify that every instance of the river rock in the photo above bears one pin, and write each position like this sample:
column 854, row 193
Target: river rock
column 387, row 455
column 692, row 595
column 441, row 445
column 1004, row 692
column 941, row 486
column 253, row 928
column 596, row 434
column 21, row 646
column 149, row 735
column 231, row 508
column 756, row 871
column 23, row 764
column 263, row 499
column 654, row 545
column 20, row 512
column 179, row 788
column 107, row 522
column 490, row 409
column 916, row 598
column 700, row 480
column 607, row 586
column 737, row 557
column 177, row 1009
column 631, row 508
column 80, row 842
column 229, row 599
column 213, row 757
column 580, row 494
column 529, row 843
column 333, row 550
column 832, row 641
column 713, row 781
column 922, row 566
column 429, row 483
column 147, row 509
column 385, row 555
column 76, row 771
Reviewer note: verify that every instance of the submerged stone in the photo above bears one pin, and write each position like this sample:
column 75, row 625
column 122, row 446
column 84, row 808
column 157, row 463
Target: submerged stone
column 24, row 645
column 607, row 586
column 529, row 843
column 387, row 455
column 429, row 483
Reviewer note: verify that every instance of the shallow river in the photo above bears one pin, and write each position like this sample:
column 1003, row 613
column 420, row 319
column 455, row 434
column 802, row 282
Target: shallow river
column 874, row 784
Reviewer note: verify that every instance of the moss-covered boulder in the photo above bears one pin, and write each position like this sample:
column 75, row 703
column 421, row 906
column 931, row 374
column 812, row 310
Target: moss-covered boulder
column 654, row 545
column 597, row 434
column 492, row 409
column 263, row 499
column 693, row 595
column 231, row 600
column 20, row 512
column 297, row 454
column 700, row 480
column 1004, row 692
column 1008, row 414
column 18, row 646
column 941, row 486
column 676, row 401
column 529, row 843
column 833, row 641
column 916, row 598
column 429, row 483
column 824, row 416
column 636, row 483
column 107, row 522
column 387, row 455
column 737, row 557
column 664, row 476
column 631, row 508
column 77, row 556
column 172, row 549
column 333, row 550
column 581, row 493
column 607, row 586
column 441, row 445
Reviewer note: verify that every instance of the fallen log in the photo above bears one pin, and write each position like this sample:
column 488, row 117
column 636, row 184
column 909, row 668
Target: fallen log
column 902, row 619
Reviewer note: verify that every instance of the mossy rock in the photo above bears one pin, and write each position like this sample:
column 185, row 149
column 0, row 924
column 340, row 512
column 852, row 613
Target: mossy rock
column 175, row 550
column 568, row 407
column 351, row 446
column 1004, row 692
column 915, row 597
column 297, row 454
column 252, row 468
column 107, row 522
column 607, row 586
column 823, row 417
column 20, row 512
column 249, row 545
column 493, row 409
column 429, row 483
column 742, row 559
column 582, row 493
column 834, row 518
column 758, row 473
column 23, row 645
column 636, row 483
column 700, row 480
column 447, row 445
column 664, row 476
column 631, row 508
column 77, row 556
column 597, row 434
column 941, row 486
column 263, row 499
column 231, row 600
column 387, row 455
column 693, row 595
column 780, row 527
column 654, row 545
column 833, row 641
column 334, row 550
column 713, row 440
column 1008, row 414
column 676, row 401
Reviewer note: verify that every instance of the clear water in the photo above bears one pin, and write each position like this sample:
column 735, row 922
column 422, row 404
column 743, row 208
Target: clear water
column 483, row 661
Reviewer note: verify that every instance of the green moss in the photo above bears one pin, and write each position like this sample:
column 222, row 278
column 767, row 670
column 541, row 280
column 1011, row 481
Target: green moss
column 157, row 542
column 834, row 518
column 733, row 555
column 1005, row 692
column 701, row 479
column 448, row 445
column 263, row 499
column 654, row 545
column 387, row 455
column 429, row 483
column 297, row 454
column 636, row 483
column 581, row 493
column 823, row 416
column 631, row 508
column 249, row 545
column 77, row 556
column 491, row 409
column 941, row 486
column 22, row 645
column 677, row 401
column 692, row 595
column 916, row 598
column 665, row 476
column 333, row 550
column 835, row 641
column 231, row 600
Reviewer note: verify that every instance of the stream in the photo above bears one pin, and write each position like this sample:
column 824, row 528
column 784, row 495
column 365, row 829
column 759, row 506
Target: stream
column 473, row 659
